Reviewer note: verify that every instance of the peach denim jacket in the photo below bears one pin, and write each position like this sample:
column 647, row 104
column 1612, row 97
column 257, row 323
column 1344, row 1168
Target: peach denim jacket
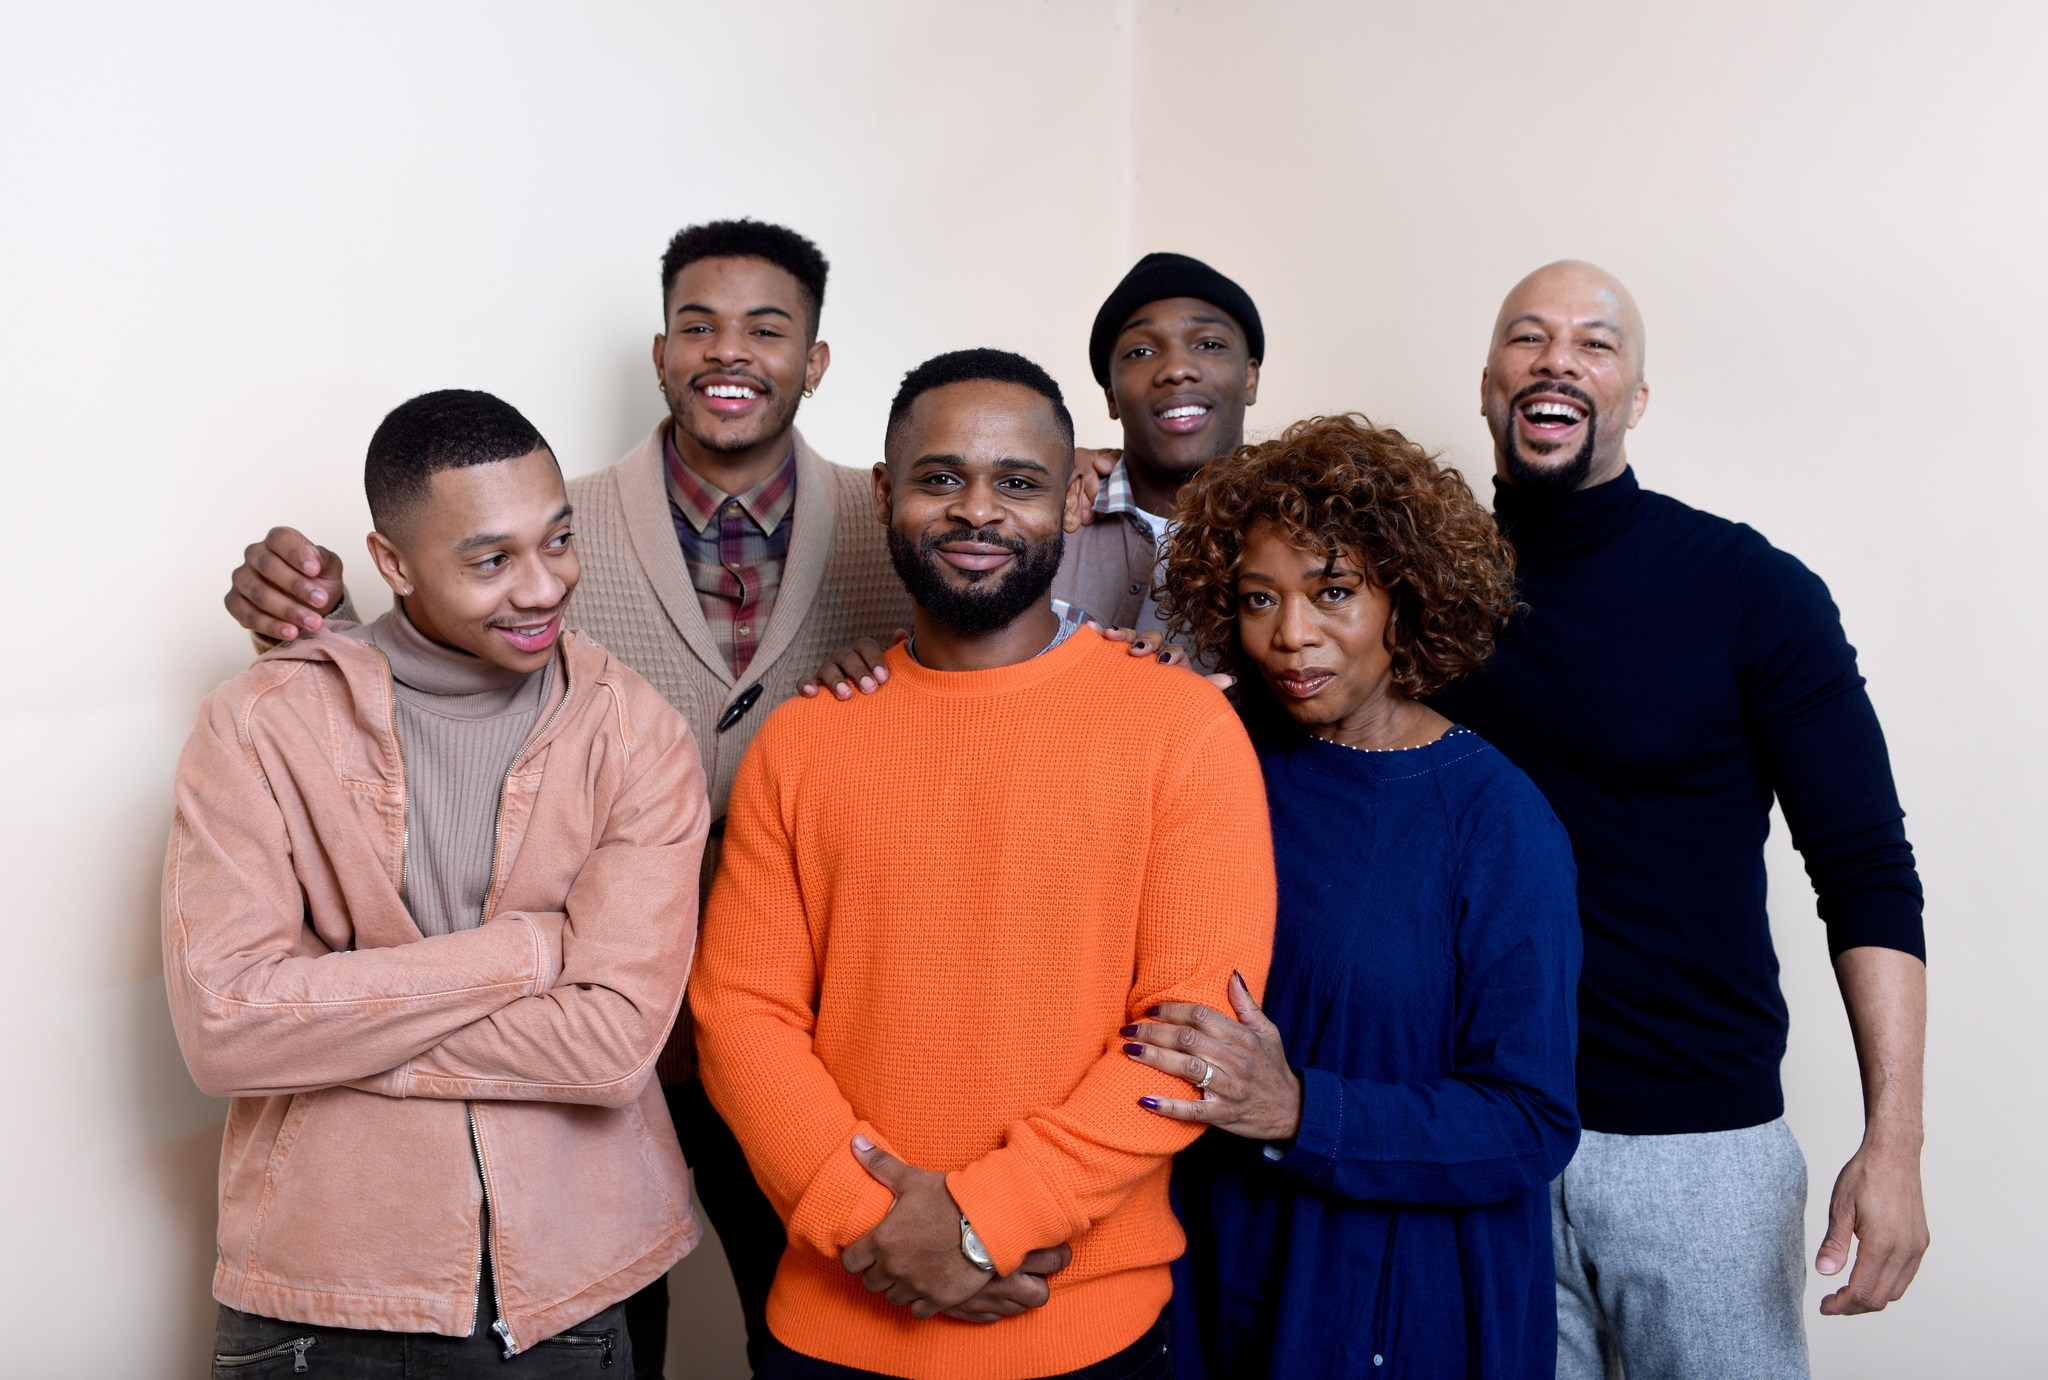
column 384, row 1083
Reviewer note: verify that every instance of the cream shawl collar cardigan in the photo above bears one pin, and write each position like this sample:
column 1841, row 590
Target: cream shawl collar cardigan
column 635, row 596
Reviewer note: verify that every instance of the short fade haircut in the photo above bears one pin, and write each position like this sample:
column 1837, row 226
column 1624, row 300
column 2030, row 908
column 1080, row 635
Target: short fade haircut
column 749, row 239
column 974, row 366
column 448, row 430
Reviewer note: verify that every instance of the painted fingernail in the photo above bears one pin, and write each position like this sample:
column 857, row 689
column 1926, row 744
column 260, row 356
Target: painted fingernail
column 1150, row 1104
column 1134, row 1049
column 1165, row 655
column 1238, row 978
column 1152, row 1011
column 1128, row 1031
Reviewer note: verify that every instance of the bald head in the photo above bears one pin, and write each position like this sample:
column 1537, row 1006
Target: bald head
column 1572, row 289
column 1563, row 383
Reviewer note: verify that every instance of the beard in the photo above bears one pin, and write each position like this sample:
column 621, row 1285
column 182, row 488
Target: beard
column 774, row 420
column 985, row 604
column 1525, row 473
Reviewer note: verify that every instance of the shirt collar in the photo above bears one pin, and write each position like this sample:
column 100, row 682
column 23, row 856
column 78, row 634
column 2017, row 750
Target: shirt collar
column 1071, row 617
column 767, row 503
column 1115, row 494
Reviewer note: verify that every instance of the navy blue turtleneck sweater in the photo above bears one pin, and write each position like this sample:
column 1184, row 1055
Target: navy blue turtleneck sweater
column 1673, row 673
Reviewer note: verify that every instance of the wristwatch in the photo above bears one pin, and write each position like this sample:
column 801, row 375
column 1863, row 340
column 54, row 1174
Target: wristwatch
column 971, row 1247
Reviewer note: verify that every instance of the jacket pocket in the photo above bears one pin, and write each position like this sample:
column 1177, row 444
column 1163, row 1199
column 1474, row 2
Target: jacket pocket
column 1379, row 1312
column 600, row 1344
column 244, row 1363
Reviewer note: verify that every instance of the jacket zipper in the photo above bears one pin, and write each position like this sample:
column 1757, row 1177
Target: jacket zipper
column 596, row 1339
column 498, row 819
column 1379, row 1312
column 297, row 1347
column 498, row 1324
column 483, row 1175
column 404, row 788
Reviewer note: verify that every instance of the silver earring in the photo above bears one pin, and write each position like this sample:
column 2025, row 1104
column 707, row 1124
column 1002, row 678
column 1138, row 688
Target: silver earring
column 810, row 392
column 406, row 592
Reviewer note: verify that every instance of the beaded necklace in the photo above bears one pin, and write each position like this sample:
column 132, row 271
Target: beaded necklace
column 1453, row 731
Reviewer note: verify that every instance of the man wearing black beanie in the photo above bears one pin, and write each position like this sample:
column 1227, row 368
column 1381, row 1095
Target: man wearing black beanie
column 1176, row 349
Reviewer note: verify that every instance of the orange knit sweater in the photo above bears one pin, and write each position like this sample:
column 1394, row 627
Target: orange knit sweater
column 937, row 905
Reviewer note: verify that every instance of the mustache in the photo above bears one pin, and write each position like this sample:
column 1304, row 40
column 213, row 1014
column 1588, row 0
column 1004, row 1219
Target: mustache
column 1561, row 390
column 761, row 384
column 929, row 544
column 527, row 620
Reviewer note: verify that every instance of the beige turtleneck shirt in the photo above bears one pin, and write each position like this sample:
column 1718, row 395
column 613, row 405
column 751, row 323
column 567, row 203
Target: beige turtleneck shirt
column 461, row 723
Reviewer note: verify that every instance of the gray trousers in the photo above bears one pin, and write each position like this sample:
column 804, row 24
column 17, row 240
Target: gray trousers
column 1682, row 1257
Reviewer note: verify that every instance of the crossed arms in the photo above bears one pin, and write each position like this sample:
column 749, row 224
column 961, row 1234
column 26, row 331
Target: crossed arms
column 569, row 1005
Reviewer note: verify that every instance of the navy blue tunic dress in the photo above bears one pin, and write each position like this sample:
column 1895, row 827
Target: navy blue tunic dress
column 1425, row 967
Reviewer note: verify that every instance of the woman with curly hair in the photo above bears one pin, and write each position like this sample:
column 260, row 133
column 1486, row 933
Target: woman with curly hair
column 1371, row 1199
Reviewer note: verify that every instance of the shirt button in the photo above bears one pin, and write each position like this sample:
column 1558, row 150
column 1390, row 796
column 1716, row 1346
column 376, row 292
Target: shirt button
column 1136, row 588
column 744, row 630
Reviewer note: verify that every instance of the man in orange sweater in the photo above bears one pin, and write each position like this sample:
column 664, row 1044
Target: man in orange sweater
column 893, row 914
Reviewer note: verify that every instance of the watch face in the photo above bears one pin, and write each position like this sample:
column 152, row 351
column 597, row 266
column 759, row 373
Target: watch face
column 971, row 1247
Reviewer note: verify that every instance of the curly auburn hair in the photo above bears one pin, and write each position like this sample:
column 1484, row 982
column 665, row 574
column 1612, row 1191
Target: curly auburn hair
column 1344, row 486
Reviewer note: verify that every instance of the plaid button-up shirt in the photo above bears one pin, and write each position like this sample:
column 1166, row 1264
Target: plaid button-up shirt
column 734, row 547
column 1114, row 498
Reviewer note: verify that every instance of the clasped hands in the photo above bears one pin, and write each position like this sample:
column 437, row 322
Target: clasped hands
column 913, row 1256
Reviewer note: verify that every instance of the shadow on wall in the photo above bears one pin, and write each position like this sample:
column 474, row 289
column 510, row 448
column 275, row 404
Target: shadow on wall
column 185, row 1175
column 635, row 407
column 707, row 1337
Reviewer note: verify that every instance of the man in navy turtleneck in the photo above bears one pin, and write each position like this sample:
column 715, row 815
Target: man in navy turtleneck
column 1673, row 674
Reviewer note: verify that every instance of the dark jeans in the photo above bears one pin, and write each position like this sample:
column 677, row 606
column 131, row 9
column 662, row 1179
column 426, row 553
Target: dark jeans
column 248, row 1347
column 747, row 1227
column 1148, row 1358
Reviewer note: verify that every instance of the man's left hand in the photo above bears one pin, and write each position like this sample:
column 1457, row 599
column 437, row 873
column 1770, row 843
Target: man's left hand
column 913, row 1255
column 1877, row 1199
column 1005, row 1296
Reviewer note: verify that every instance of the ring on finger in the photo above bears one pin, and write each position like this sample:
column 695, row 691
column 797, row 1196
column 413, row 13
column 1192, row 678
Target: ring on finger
column 1208, row 1072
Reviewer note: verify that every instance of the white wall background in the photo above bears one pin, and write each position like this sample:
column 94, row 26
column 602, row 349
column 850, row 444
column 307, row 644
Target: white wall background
column 233, row 237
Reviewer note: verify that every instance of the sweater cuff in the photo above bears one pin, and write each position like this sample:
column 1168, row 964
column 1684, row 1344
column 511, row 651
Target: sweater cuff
column 844, row 1201
column 1012, row 1210
column 1887, row 919
column 1313, row 1155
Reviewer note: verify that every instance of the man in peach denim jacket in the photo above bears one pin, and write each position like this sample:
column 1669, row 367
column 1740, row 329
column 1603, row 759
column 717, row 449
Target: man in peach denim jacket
column 428, row 911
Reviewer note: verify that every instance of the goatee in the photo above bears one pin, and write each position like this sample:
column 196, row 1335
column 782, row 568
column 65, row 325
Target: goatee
column 1557, row 479
column 775, row 419
column 985, row 604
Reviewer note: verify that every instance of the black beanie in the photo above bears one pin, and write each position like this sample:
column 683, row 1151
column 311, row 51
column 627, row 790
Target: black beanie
column 1157, row 277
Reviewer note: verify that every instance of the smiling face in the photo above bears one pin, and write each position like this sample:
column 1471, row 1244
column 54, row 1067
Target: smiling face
column 976, row 493
column 1563, row 383
column 1316, row 628
column 1180, row 378
column 737, row 354
column 488, row 560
